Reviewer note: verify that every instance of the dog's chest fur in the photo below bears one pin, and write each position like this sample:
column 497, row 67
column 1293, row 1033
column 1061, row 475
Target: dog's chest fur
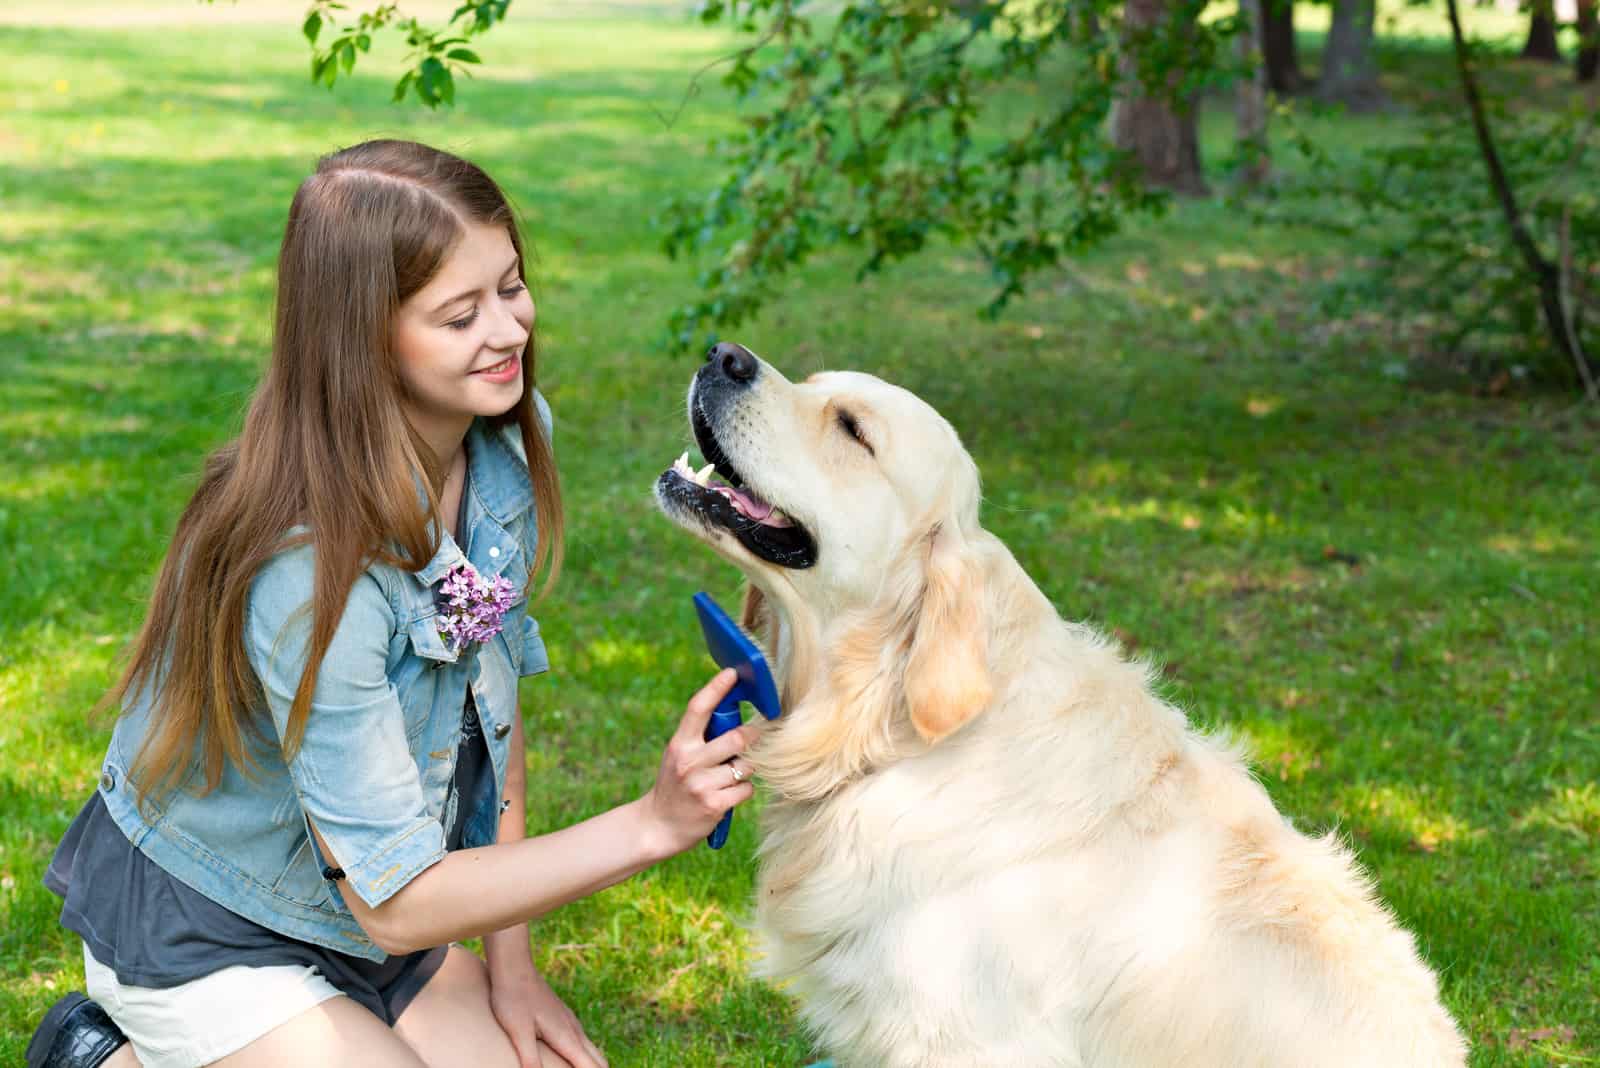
column 1051, row 887
column 934, row 912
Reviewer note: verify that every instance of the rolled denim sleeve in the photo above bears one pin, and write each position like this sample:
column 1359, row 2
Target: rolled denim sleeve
column 353, row 770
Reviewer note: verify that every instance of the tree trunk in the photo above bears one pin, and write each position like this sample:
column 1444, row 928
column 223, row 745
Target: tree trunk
column 1541, row 42
column 1250, row 106
column 1349, row 64
column 1588, row 41
column 1278, row 47
column 1157, row 128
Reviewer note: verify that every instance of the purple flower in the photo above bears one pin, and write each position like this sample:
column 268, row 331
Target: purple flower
column 471, row 607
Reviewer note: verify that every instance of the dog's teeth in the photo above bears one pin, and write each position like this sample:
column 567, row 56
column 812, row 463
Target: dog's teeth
column 703, row 476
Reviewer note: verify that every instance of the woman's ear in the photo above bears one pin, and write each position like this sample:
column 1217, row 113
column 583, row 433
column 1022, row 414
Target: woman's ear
column 947, row 668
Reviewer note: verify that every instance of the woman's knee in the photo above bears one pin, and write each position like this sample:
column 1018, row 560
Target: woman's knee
column 461, row 981
column 450, row 1023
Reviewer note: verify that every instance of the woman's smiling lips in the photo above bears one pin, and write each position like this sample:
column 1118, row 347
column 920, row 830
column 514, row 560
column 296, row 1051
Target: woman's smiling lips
column 504, row 371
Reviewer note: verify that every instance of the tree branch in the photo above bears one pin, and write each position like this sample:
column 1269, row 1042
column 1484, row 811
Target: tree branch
column 1546, row 273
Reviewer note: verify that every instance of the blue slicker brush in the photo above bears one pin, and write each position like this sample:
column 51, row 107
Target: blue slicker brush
column 729, row 647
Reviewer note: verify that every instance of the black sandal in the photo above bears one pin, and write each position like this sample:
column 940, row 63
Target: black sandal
column 75, row 1033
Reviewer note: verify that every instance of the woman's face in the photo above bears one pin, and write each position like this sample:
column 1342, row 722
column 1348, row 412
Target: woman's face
column 459, row 339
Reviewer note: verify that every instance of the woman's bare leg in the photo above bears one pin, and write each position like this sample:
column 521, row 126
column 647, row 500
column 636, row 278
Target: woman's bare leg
column 334, row 1033
column 450, row 1025
column 447, row 1025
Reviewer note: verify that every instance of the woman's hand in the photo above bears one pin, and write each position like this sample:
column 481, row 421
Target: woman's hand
column 694, row 786
column 529, row 1012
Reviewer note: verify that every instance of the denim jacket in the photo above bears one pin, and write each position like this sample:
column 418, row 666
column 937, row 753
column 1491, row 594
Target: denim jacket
column 379, row 749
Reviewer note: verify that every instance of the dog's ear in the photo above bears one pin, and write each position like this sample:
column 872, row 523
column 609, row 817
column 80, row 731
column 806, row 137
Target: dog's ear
column 947, row 668
column 922, row 647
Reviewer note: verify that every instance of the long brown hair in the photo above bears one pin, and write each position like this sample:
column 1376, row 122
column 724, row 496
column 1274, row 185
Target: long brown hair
column 325, row 443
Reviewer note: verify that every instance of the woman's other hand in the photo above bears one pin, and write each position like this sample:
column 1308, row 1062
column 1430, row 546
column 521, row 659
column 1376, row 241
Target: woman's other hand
column 530, row 1013
column 695, row 784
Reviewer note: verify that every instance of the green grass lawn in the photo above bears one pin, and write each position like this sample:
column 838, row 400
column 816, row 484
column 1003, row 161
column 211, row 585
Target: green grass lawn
column 1172, row 441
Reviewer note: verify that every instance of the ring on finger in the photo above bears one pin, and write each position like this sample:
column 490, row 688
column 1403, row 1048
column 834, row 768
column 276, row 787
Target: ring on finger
column 738, row 776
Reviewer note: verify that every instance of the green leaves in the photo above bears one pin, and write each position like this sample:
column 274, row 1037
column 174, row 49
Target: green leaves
column 881, row 126
column 434, row 83
column 481, row 15
column 890, row 126
column 437, row 54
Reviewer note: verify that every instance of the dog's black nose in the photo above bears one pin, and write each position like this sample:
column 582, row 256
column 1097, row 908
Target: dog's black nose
column 736, row 361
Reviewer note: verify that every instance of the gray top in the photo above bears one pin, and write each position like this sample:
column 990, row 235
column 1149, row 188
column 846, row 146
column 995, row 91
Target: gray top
column 155, row 931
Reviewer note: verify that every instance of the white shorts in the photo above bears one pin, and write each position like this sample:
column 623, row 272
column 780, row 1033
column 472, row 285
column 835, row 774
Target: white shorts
column 208, row 1018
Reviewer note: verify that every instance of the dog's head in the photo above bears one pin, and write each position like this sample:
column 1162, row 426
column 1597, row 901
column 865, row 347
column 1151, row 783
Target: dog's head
column 853, row 506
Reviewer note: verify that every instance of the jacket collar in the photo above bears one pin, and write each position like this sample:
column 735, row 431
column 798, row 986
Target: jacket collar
column 499, row 474
column 498, row 493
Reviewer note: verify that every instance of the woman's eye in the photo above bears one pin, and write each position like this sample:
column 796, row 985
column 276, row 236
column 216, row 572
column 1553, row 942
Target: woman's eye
column 468, row 320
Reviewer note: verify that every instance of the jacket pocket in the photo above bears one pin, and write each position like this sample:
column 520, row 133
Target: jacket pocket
column 302, row 881
column 416, row 681
column 426, row 642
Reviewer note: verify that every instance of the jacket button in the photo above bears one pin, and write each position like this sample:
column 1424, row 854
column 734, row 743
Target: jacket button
column 494, row 550
column 108, row 781
column 502, row 729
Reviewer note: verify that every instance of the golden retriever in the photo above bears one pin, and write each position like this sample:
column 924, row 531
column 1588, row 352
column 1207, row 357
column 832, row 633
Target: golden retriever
column 987, row 841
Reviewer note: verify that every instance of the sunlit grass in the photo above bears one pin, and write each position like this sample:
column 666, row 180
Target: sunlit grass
column 1574, row 809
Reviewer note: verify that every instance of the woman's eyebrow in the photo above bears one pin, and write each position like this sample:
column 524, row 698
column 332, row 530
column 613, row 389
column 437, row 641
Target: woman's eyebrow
column 473, row 292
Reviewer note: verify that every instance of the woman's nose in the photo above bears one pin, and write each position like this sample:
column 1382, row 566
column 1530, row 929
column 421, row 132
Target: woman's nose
column 507, row 330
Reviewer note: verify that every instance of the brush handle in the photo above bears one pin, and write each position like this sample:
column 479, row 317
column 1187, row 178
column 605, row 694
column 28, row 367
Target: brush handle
column 724, row 719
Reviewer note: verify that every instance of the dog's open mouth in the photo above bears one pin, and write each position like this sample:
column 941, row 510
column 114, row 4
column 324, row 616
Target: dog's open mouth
column 718, row 496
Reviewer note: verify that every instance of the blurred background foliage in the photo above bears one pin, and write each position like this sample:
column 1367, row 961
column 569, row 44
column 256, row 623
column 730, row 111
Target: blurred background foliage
column 1032, row 128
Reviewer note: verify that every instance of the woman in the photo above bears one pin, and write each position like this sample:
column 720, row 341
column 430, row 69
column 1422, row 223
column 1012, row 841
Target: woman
column 316, row 782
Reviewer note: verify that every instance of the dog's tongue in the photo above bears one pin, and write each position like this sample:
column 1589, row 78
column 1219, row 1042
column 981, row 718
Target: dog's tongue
column 753, row 507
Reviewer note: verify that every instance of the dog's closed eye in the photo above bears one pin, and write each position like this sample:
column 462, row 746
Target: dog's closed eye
column 849, row 425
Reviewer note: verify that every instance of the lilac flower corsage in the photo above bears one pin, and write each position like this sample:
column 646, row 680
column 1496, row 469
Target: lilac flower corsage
column 471, row 607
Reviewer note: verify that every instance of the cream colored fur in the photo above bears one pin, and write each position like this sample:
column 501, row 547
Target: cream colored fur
column 986, row 840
